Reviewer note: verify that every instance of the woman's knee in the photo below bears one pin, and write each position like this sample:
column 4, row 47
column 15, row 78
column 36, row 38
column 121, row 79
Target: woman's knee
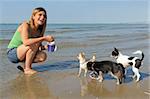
column 21, row 51
column 33, row 48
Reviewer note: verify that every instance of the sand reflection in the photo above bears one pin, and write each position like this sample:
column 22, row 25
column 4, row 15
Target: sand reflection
column 109, row 89
column 27, row 87
column 92, row 87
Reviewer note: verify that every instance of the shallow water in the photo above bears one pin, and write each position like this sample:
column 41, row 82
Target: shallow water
column 57, row 77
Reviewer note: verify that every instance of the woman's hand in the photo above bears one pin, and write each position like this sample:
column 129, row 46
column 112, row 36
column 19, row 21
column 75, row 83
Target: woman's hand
column 49, row 38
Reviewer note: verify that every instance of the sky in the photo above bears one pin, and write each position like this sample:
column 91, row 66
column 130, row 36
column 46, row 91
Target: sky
column 78, row 11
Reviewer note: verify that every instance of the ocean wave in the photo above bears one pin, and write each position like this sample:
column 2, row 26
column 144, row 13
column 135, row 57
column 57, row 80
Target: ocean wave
column 62, row 30
column 62, row 65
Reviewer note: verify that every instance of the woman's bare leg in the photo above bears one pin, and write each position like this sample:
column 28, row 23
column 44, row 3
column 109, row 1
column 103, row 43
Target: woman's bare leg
column 27, row 53
column 39, row 57
column 21, row 51
column 29, row 60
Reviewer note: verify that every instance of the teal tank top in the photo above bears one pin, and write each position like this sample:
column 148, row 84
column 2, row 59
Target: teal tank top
column 15, row 41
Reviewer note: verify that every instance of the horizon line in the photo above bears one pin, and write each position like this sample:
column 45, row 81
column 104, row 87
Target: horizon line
column 87, row 23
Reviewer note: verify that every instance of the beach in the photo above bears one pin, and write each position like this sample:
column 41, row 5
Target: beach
column 57, row 76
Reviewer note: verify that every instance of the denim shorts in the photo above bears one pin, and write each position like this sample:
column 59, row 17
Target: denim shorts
column 12, row 55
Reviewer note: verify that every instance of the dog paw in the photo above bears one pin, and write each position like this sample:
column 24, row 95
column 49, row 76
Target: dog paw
column 137, row 80
column 134, row 76
column 100, row 81
column 118, row 83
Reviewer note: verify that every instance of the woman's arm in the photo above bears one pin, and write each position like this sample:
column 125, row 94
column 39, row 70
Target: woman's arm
column 29, row 41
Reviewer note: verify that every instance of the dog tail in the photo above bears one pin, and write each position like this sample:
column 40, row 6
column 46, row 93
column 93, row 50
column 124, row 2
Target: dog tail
column 93, row 58
column 139, row 52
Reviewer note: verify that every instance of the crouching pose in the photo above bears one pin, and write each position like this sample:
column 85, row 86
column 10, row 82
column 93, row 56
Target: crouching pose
column 26, row 44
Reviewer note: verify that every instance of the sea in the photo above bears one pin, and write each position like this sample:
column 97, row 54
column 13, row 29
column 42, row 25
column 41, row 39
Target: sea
column 71, row 39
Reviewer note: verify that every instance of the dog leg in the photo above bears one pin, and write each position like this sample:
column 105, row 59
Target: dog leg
column 125, row 72
column 138, row 77
column 85, row 72
column 100, row 77
column 79, row 72
column 118, row 81
column 136, row 74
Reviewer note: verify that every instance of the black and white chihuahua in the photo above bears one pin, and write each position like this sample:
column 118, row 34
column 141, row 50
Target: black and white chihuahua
column 126, row 61
column 101, row 67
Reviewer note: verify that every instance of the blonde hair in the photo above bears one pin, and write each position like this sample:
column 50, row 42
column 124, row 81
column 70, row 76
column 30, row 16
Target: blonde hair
column 31, row 21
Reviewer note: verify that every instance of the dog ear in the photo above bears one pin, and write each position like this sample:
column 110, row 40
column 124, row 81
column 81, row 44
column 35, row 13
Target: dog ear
column 83, row 53
column 116, row 49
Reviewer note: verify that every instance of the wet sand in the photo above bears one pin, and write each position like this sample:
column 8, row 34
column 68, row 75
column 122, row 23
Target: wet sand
column 66, row 85
column 54, row 82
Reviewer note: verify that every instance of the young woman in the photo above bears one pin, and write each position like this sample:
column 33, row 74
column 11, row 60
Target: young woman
column 26, row 44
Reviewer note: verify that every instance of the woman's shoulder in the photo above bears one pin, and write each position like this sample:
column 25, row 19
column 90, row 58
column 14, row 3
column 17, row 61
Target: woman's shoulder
column 23, row 25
